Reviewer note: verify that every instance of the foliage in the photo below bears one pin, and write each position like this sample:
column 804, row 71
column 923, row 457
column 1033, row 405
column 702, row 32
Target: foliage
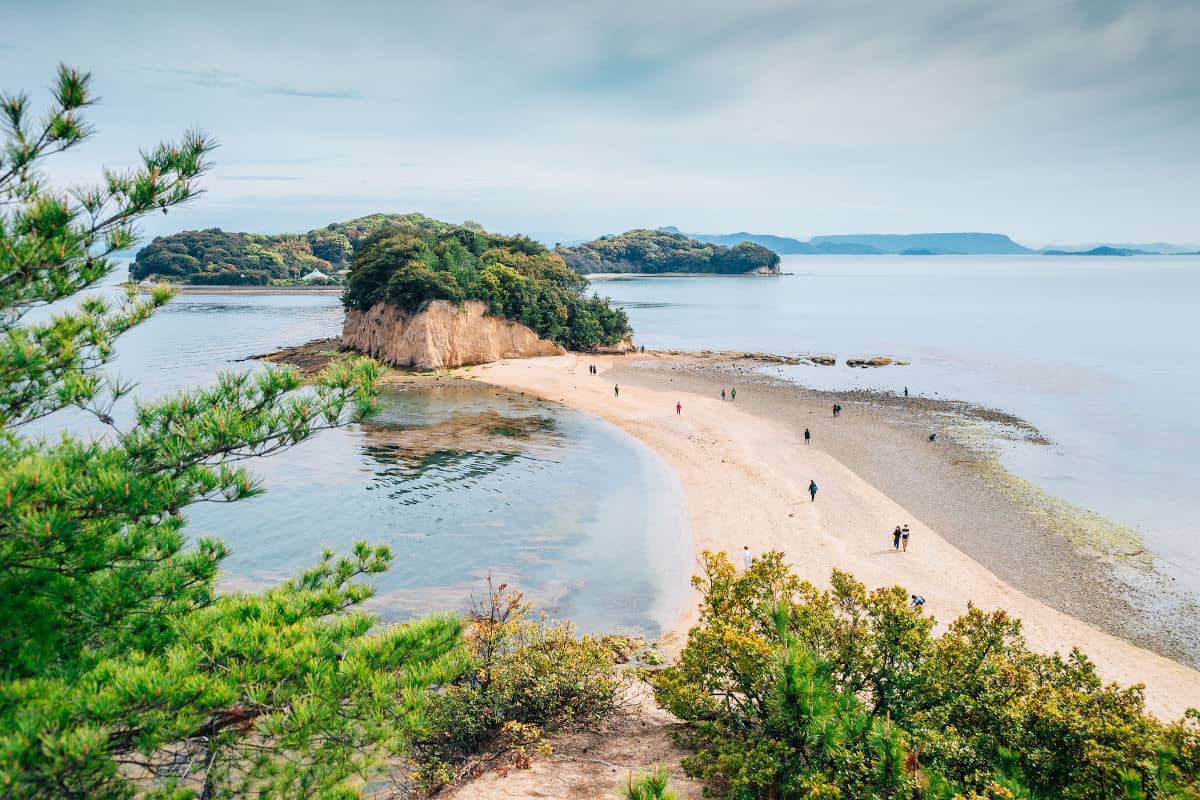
column 652, row 785
column 122, row 672
column 794, row 692
column 529, row 676
column 666, row 251
column 214, row 256
column 411, row 263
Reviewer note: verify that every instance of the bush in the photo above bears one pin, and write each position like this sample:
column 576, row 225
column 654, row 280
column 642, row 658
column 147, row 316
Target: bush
column 793, row 692
column 529, row 676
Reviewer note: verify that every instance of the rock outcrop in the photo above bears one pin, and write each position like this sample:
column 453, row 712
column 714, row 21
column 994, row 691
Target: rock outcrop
column 442, row 336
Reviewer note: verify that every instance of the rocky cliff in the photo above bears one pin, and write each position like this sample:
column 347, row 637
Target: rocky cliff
column 444, row 335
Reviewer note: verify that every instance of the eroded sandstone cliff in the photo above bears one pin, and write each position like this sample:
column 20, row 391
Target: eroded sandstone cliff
column 444, row 335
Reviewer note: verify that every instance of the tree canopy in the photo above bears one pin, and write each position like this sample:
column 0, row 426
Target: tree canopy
column 666, row 251
column 123, row 673
column 411, row 263
column 794, row 692
column 214, row 256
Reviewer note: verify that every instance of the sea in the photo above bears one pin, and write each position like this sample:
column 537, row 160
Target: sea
column 1102, row 354
column 585, row 521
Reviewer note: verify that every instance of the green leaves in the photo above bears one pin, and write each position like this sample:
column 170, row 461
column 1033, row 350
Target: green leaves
column 122, row 671
column 796, row 692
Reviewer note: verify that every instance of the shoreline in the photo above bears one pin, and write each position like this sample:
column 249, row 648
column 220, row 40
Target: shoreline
column 225, row 289
column 745, row 471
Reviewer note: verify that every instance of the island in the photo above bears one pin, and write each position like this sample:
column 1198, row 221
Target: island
column 428, row 294
column 662, row 251
column 217, row 257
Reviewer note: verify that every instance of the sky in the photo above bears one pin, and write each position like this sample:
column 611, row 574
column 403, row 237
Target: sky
column 1054, row 121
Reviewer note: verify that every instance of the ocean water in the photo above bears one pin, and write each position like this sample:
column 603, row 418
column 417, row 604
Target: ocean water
column 1101, row 354
column 585, row 520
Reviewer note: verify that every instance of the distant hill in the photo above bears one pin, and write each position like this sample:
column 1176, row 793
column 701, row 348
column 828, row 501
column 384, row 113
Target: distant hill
column 783, row 245
column 872, row 244
column 1103, row 250
column 1134, row 248
column 662, row 251
column 971, row 244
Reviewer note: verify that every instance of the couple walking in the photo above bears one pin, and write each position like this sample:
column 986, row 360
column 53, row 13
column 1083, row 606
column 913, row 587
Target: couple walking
column 900, row 538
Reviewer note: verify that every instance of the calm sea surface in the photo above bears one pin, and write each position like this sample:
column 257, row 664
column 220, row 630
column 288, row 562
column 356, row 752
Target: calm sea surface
column 1101, row 354
column 584, row 519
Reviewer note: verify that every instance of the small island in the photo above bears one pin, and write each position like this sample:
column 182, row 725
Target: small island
column 662, row 251
column 427, row 294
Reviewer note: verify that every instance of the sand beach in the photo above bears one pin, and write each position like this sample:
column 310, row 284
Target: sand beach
column 745, row 471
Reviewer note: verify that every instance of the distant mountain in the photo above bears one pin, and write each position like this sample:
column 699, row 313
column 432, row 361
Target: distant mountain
column 971, row 244
column 1103, row 250
column 1135, row 248
column 872, row 244
column 783, row 245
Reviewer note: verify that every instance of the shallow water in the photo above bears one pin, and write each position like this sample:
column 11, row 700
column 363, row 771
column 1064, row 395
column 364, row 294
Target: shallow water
column 1101, row 354
column 584, row 519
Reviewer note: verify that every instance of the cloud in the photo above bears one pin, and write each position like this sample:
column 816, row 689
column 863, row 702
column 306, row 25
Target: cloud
column 320, row 94
column 223, row 79
column 259, row 177
column 1047, row 119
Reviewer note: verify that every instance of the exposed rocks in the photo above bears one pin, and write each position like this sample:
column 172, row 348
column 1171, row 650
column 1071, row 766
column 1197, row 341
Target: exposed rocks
column 622, row 347
column 771, row 358
column 442, row 336
column 877, row 361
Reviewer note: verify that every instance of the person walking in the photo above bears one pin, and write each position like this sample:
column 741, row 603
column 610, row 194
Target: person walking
column 904, row 538
column 746, row 556
column 807, row 436
column 906, row 391
column 812, row 490
column 896, row 538
column 616, row 390
column 678, row 407
column 722, row 395
column 733, row 394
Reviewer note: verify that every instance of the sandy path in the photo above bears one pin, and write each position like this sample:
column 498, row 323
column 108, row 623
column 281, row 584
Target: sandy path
column 746, row 480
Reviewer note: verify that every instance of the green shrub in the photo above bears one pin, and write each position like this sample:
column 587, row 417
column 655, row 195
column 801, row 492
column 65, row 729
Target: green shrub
column 794, row 692
column 529, row 676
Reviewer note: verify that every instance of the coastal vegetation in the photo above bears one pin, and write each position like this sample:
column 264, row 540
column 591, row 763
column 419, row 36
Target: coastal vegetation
column 411, row 263
column 529, row 677
column 647, row 251
column 214, row 256
column 796, row 692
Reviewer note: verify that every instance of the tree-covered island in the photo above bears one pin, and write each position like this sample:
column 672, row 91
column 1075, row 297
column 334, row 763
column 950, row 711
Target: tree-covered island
column 410, row 263
column 647, row 251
